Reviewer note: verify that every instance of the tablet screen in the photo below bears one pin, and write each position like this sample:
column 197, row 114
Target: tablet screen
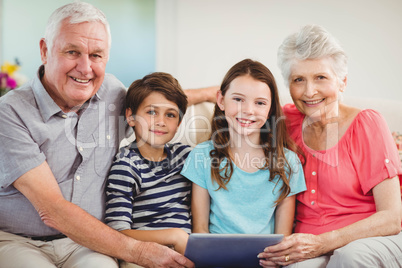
column 228, row 250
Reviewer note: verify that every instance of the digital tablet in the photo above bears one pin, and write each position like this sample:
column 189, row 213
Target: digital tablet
column 228, row 250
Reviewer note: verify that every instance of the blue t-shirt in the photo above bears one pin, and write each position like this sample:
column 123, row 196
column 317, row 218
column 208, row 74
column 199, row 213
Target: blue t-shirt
column 248, row 204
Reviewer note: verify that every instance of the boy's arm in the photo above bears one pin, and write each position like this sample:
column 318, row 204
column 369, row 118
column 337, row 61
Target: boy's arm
column 121, row 187
column 284, row 216
column 200, row 206
column 173, row 237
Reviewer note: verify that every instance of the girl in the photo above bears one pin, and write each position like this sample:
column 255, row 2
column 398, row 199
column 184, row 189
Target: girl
column 244, row 177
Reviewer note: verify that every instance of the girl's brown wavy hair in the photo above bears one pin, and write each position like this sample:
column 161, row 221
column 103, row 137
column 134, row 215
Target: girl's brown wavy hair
column 273, row 135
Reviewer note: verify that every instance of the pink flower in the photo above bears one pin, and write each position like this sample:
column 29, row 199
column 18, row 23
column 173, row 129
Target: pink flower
column 11, row 83
column 6, row 82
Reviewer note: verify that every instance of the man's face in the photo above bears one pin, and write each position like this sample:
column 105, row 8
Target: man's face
column 75, row 68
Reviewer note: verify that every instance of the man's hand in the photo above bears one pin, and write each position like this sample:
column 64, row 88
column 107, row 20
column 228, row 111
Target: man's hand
column 195, row 96
column 154, row 255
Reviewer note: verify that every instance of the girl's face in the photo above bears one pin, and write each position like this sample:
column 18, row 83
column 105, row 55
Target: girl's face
column 314, row 87
column 246, row 105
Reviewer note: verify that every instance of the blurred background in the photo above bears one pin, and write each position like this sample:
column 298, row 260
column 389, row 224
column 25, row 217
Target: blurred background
column 199, row 40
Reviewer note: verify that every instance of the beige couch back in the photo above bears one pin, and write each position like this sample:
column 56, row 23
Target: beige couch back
column 196, row 126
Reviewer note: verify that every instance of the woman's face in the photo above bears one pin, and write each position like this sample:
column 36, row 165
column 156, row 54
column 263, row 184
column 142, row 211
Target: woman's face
column 315, row 88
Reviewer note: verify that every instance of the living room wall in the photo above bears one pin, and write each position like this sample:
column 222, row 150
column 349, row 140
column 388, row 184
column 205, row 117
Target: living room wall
column 197, row 41
column 205, row 38
column 132, row 23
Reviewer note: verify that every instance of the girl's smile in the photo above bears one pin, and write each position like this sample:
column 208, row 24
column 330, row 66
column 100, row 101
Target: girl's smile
column 246, row 105
column 245, row 122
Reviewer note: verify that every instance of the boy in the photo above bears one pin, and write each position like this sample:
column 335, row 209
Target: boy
column 146, row 197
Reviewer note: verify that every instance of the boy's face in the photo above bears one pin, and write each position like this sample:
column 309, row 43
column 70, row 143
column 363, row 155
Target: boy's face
column 155, row 122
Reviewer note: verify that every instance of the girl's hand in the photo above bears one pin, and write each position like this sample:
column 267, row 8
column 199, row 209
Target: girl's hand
column 293, row 248
column 268, row 264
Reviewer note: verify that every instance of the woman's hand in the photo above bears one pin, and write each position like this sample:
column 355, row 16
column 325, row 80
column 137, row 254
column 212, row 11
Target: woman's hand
column 293, row 248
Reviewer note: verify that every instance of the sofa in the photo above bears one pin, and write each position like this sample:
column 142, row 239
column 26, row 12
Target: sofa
column 196, row 126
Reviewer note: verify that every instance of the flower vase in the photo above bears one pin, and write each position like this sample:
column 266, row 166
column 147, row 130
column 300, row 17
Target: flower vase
column 3, row 91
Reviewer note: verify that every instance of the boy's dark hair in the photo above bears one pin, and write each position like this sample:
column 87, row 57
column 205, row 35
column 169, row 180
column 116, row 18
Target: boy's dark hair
column 160, row 82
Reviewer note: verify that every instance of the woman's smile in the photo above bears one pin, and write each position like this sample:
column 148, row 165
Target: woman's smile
column 313, row 103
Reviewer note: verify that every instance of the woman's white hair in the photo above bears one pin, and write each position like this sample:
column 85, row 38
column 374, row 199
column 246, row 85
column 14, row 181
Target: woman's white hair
column 76, row 12
column 311, row 42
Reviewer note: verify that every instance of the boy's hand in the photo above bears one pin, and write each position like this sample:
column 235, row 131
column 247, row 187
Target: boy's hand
column 180, row 239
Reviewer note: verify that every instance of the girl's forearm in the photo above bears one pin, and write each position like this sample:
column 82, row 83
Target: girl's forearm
column 200, row 229
column 200, row 207
column 284, row 216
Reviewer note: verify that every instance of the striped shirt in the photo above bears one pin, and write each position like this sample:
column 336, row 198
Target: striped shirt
column 146, row 195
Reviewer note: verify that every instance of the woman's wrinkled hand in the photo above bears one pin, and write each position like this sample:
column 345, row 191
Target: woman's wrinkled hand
column 293, row 248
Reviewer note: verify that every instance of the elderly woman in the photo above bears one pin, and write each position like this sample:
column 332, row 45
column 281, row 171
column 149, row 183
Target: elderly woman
column 350, row 215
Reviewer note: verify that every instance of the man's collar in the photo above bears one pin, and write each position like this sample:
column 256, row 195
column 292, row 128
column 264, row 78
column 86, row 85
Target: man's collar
column 47, row 106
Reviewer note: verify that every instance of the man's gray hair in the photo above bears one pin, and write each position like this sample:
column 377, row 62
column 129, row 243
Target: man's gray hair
column 77, row 12
column 311, row 42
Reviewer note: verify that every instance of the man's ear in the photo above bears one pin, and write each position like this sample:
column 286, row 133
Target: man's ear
column 219, row 100
column 130, row 118
column 43, row 50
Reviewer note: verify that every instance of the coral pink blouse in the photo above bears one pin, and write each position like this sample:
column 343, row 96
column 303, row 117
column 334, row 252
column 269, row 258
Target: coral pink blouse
column 339, row 180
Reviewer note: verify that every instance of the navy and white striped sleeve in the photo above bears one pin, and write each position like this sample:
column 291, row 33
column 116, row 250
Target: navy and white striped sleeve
column 122, row 186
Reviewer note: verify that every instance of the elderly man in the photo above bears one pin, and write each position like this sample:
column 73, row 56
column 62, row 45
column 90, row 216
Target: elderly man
column 59, row 134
